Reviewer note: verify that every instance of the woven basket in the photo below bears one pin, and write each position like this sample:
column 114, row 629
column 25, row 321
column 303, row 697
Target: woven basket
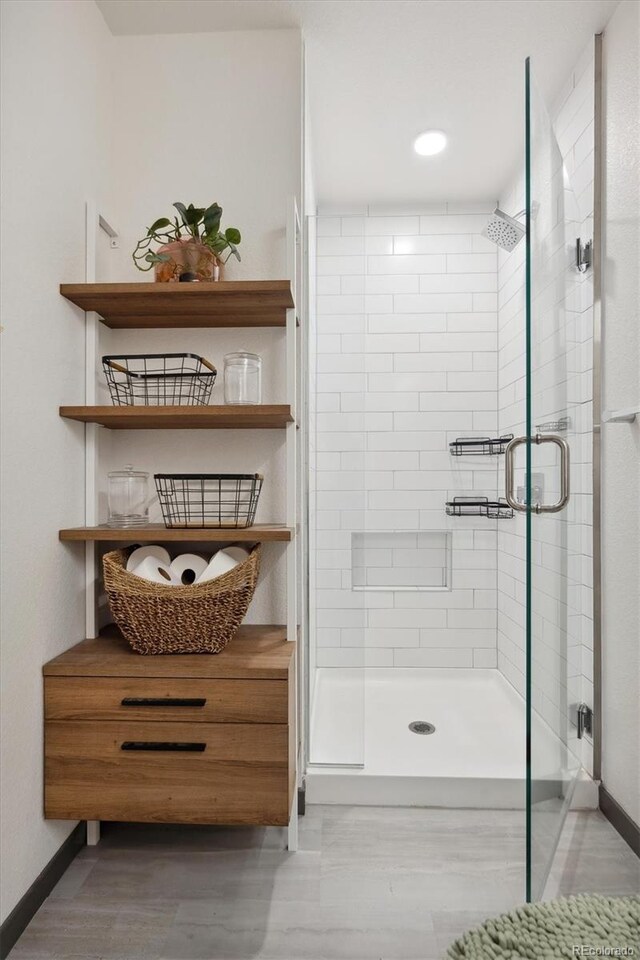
column 201, row 618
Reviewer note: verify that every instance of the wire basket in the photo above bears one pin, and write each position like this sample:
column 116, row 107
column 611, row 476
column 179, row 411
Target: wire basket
column 208, row 499
column 479, row 446
column 479, row 507
column 200, row 618
column 155, row 379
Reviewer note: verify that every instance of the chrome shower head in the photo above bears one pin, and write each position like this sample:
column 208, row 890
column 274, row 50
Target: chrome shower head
column 505, row 231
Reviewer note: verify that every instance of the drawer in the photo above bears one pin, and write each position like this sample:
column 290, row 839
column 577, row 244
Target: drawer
column 167, row 772
column 155, row 699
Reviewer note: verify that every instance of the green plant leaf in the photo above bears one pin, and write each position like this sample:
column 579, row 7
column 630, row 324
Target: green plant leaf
column 182, row 210
column 194, row 215
column 212, row 216
column 232, row 235
column 158, row 225
column 191, row 217
column 217, row 243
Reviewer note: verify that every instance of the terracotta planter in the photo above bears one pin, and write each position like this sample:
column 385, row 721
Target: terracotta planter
column 187, row 257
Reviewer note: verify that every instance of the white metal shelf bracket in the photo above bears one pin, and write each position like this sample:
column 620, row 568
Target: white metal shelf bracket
column 293, row 241
column 94, row 222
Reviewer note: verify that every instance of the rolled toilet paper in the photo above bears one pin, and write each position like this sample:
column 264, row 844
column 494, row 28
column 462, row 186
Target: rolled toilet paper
column 157, row 572
column 188, row 567
column 239, row 554
column 220, row 563
column 141, row 553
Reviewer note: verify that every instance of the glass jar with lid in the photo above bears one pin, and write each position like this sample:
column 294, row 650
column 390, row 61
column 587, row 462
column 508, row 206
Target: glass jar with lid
column 128, row 498
column 242, row 378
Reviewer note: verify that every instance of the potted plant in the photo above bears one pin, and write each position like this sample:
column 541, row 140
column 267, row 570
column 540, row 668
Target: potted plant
column 192, row 245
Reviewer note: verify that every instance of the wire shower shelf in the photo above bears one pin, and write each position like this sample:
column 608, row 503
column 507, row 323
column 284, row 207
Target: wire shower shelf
column 479, row 446
column 479, row 507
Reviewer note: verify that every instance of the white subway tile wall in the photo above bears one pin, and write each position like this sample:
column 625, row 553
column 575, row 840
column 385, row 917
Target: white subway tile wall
column 562, row 387
column 400, row 561
column 405, row 361
column 419, row 338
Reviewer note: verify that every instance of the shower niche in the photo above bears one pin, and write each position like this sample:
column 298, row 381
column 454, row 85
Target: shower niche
column 395, row 561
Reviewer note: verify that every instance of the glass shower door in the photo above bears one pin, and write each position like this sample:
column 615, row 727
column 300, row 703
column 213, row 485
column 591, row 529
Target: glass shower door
column 543, row 488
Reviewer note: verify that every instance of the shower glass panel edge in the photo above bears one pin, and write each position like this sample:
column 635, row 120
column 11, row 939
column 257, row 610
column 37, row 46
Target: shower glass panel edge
column 553, row 398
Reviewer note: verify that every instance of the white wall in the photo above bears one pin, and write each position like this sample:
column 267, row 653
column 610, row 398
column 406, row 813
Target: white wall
column 55, row 150
column 621, row 385
column 405, row 361
column 194, row 118
column 225, row 127
column 204, row 117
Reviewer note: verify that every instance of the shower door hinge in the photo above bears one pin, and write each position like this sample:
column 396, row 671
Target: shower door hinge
column 584, row 720
column 584, row 253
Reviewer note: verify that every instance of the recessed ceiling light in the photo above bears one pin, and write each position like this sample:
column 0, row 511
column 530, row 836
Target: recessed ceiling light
column 430, row 142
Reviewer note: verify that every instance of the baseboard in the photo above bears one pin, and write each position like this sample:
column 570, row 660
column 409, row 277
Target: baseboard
column 27, row 907
column 621, row 820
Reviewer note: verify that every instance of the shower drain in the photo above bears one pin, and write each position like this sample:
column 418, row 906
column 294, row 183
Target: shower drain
column 421, row 726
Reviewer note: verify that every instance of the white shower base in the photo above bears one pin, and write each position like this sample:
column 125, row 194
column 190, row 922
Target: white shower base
column 362, row 752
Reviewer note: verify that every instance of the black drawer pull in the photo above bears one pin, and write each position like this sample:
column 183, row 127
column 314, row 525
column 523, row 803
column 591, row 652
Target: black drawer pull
column 166, row 746
column 163, row 702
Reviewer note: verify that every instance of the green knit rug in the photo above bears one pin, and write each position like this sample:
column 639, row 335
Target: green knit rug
column 582, row 926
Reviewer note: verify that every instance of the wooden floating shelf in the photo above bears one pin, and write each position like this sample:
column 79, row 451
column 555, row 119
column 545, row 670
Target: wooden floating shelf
column 259, row 417
column 156, row 532
column 256, row 652
column 228, row 303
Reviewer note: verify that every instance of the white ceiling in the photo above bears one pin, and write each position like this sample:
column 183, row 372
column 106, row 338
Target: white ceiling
column 381, row 72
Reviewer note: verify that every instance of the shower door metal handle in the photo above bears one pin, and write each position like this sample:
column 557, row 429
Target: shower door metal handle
column 565, row 484
column 509, row 474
